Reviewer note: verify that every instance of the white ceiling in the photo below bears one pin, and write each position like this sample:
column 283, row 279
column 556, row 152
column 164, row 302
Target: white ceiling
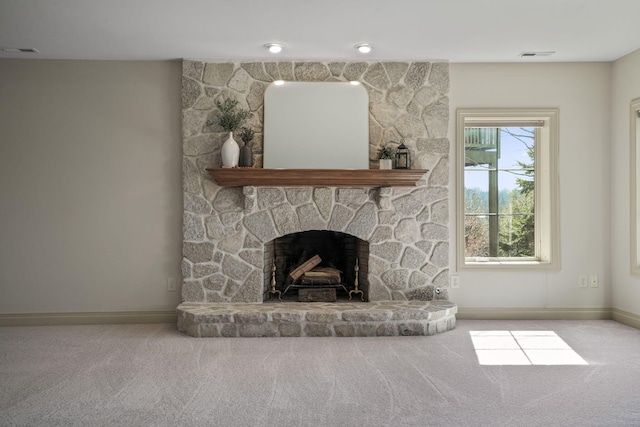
column 455, row 30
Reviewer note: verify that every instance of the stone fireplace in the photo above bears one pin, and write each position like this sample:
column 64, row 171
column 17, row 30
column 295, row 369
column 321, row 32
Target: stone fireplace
column 231, row 234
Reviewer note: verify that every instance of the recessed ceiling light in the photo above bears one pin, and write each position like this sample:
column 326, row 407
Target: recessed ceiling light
column 274, row 47
column 364, row 47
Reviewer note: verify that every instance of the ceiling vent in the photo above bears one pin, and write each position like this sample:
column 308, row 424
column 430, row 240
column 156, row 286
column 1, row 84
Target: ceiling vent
column 531, row 54
column 18, row 50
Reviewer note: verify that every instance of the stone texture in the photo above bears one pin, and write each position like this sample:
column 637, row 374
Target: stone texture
column 310, row 218
column 286, row 219
column 298, row 196
column 340, row 217
column 261, row 226
column 241, row 81
column 435, row 118
column 440, row 256
column 203, row 270
column 395, row 70
column 214, row 282
column 217, row 74
column 407, row 231
column 192, row 227
column 406, row 227
column 416, row 75
column 234, row 268
column 198, row 252
column 412, row 258
column 407, row 205
column 364, row 222
column 311, row 71
column 434, row 232
column 192, row 69
column 191, row 91
column 323, row 198
column 439, row 77
column 228, row 199
column 352, row 197
column 354, row 70
column 440, row 212
column 196, row 204
column 396, row 279
column 256, row 71
column 384, row 318
column 387, row 250
column 376, row 76
column 269, row 197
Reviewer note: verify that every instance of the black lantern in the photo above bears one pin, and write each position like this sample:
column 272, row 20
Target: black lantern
column 403, row 156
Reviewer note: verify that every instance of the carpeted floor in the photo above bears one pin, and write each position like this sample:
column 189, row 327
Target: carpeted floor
column 150, row 375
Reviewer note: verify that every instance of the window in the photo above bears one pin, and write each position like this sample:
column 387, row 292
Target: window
column 635, row 186
column 507, row 188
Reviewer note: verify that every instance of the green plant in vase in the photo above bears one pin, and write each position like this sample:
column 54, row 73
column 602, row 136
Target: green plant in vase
column 246, row 154
column 386, row 154
column 230, row 119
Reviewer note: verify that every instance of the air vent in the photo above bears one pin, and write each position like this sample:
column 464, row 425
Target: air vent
column 530, row 54
column 18, row 50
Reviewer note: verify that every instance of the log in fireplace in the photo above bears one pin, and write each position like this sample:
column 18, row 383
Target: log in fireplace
column 317, row 259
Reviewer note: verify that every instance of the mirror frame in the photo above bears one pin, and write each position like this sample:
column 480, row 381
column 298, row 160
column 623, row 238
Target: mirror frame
column 634, row 138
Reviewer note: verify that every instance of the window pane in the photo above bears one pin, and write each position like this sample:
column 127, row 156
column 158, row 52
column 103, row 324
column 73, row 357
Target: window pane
column 476, row 236
column 476, row 192
column 516, row 148
column 517, row 236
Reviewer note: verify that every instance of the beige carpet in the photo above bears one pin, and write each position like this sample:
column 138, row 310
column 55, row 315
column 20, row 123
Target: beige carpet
column 150, row 375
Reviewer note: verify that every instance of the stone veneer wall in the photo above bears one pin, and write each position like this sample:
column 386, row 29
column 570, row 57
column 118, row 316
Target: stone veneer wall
column 225, row 229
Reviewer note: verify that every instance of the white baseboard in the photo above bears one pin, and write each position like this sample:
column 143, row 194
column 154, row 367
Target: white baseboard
column 534, row 313
column 626, row 318
column 87, row 318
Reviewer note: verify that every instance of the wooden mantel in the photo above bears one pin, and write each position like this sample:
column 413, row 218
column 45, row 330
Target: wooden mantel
column 260, row 177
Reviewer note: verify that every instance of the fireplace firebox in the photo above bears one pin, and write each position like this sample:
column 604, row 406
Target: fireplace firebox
column 317, row 259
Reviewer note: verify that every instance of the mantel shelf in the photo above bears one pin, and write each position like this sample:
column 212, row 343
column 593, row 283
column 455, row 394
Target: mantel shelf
column 260, row 177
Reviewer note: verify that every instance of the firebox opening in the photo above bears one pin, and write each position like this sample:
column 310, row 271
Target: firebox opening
column 316, row 263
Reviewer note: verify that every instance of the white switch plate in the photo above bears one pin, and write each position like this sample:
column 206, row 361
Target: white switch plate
column 594, row 281
column 583, row 281
column 172, row 285
column 454, row 281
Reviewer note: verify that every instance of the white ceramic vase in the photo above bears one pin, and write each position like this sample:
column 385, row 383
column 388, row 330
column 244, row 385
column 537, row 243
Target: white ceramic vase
column 230, row 152
column 386, row 163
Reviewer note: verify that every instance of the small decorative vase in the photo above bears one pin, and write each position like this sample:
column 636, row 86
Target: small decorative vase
column 386, row 164
column 230, row 152
column 246, row 156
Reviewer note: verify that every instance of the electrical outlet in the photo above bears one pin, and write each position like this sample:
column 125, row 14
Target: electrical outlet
column 454, row 281
column 594, row 281
column 583, row 281
column 172, row 285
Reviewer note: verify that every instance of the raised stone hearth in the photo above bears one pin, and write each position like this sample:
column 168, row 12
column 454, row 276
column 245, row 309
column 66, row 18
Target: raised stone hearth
column 383, row 318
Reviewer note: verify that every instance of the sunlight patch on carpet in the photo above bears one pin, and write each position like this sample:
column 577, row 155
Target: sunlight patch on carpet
column 523, row 348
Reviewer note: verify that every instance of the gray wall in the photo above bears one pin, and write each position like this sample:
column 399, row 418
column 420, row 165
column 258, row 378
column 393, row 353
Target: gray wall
column 91, row 195
column 90, row 185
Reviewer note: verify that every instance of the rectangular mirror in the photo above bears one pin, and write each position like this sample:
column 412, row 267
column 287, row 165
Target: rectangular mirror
column 316, row 125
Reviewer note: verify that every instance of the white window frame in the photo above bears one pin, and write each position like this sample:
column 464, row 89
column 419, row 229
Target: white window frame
column 634, row 150
column 546, row 187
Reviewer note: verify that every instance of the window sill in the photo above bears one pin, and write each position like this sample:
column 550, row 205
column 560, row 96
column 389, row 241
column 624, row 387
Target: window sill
column 508, row 265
